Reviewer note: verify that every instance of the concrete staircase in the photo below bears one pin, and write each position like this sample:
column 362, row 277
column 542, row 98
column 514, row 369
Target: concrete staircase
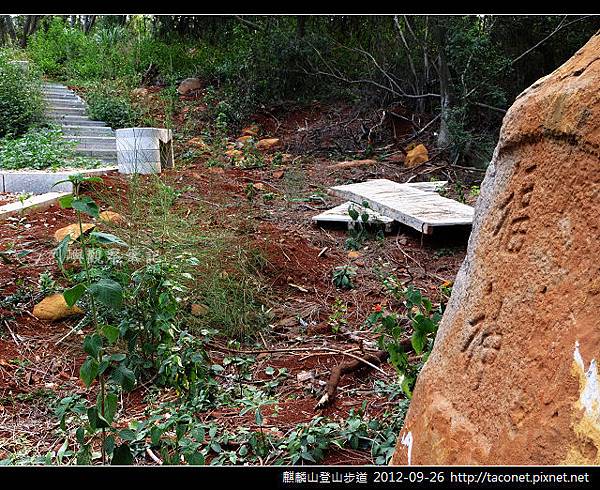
column 65, row 108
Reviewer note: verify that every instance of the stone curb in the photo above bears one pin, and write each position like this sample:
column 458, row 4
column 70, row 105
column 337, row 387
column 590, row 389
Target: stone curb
column 40, row 182
column 38, row 203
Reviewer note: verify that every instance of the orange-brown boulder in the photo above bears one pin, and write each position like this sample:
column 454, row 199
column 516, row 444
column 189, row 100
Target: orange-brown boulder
column 268, row 143
column 416, row 156
column 189, row 85
column 513, row 376
column 233, row 154
column 244, row 140
column 250, row 130
column 55, row 308
column 111, row 217
column 74, row 230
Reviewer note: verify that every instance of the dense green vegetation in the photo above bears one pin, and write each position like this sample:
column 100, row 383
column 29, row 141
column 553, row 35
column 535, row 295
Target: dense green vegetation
column 463, row 71
column 20, row 98
column 27, row 140
column 39, row 149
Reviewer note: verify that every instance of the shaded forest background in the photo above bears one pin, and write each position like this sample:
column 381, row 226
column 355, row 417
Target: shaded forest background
column 452, row 75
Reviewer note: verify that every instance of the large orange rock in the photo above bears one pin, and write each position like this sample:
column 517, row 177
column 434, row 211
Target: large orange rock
column 268, row 144
column 416, row 156
column 55, row 308
column 512, row 378
column 111, row 217
column 74, row 230
column 189, row 85
column 251, row 130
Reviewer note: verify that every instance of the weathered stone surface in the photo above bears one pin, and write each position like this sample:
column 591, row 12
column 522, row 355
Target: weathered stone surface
column 251, row 130
column 512, row 378
column 416, row 156
column 55, row 308
column 268, row 143
column 189, row 85
column 234, row 154
column 73, row 230
column 111, row 217
column 199, row 309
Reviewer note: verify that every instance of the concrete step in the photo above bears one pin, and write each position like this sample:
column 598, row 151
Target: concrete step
column 97, row 152
column 65, row 111
column 75, row 102
column 77, row 130
column 108, row 156
column 56, row 89
column 76, row 120
column 52, row 107
column 54, row 85
column 94, row 142
column 60, row 95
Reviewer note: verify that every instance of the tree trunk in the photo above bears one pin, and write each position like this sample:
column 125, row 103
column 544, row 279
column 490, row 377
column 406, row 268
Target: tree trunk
column 300, row 26
column 88, row 23
column 444, row 138
column 7, row 29
column 30, row 26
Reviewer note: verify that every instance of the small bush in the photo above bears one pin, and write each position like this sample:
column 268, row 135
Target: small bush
column 21, row 104
column 40, row 149
column 106, row 104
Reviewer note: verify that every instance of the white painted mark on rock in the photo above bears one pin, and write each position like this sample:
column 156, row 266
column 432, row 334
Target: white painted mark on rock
column 590, row 394
column 407, row 440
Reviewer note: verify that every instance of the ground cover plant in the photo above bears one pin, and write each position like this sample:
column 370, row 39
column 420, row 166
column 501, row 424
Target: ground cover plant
column 41, row 149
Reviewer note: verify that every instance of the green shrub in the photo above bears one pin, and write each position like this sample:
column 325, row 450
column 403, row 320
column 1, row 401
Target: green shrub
column 116, row 111
column 21, row 104
column 40, row 149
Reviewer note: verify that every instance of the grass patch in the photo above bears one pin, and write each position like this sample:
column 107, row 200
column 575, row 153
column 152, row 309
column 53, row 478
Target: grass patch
column 223, row 276
column 41, row 149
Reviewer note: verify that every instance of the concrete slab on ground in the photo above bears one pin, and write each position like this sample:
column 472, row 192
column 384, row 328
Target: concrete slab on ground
column 423, row 211
column 339, row 214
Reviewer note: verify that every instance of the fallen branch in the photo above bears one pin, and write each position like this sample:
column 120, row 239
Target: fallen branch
column 345, row 368
column 153, row 456
column 336, row 373
column 302, row 349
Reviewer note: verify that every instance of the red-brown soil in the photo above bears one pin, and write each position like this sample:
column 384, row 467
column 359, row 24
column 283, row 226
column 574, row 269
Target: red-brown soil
column 299, row 258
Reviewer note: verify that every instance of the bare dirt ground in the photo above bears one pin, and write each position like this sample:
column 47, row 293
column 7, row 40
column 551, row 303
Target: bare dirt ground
column 37, row 367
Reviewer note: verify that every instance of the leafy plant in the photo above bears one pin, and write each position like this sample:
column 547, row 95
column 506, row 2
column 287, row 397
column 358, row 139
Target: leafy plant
column 106, row 104
column 342, row 276
column 21, row 104
column 110, row 369
column 41, row 149
column 337, row 319
column 418, row 317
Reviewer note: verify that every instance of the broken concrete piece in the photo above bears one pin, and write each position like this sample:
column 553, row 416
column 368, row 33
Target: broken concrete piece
column 339, row 214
